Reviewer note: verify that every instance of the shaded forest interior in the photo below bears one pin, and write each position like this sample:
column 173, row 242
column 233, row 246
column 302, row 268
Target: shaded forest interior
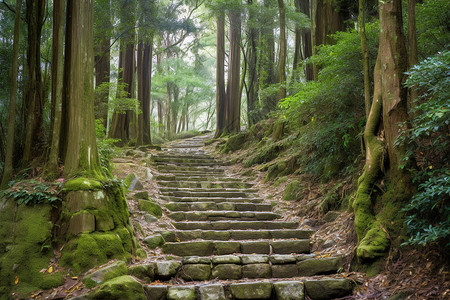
column 348, row 97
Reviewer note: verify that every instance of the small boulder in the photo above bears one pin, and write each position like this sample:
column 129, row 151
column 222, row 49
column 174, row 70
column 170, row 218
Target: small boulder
column 319, row 266
column 154, row 241
column 167, row 268
column 123, row 287
column 145, row 272
column 132, row 182
column 113, row 270
column 151, row 207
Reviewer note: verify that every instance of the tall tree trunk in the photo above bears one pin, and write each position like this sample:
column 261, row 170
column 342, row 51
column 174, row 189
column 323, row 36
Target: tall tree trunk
column 365, row 55
column 233, row 88
column 34, row 134
column 325, row 20
column 252, row 59
column 307, row 41
column 147, row 86
column 267, row 72
column 283, row 50
column 8, row 168
column 57, row 85
column 140, row 90
column 220, row 76
column 412, row 45
column 389, row 109
column 81, row 155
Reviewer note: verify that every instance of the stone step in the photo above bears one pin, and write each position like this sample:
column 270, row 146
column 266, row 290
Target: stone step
column 234, row 225
column 190, row 164
column 180, row 159
column 203, row 206
column 223, row 215
column 201, row 178
column 177, row 168
column 206, row 248
column 207, row 190
column 205, row 184
column 211, row 199
column 211, row 194
column 225, row 235
column 235, row 267
column 183, row 156
column 328, row 288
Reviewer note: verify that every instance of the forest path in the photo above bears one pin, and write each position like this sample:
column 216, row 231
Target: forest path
column 224, row 241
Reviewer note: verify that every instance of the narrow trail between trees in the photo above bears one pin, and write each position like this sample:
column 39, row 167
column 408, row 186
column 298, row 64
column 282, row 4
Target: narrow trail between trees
column 222, row 240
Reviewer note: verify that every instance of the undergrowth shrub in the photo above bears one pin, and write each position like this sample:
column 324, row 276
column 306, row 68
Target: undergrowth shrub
column 106, row 147
column 428, row 212
column 329, row 114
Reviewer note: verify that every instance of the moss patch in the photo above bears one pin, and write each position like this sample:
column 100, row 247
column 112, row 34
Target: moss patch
column 292, row 191
column 123, row 287
column 235, row 142
column 25, row 248
column 150, row 207
column 82, row 183
column 265, row 154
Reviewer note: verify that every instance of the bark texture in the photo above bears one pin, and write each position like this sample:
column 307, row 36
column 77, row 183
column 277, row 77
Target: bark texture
column 220, row 76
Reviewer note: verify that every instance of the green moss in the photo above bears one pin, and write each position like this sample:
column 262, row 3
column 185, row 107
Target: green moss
column 280, row 181
column 265, row 154
column 332, row 200
column 292, row 191
column 235, row 142
column 25, row 235
column 275, row 170
column 123, row 287
column 82, row 183
column 150, row 207
column 374, row 244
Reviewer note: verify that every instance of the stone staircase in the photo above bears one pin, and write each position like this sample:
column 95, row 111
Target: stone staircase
column 226, row 242
column 230, row 243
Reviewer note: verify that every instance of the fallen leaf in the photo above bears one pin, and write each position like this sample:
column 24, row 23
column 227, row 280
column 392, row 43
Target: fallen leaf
column 16, row 281
column 50, row 269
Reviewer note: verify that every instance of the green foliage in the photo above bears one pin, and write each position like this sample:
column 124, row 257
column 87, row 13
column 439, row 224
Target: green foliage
column 433, row 32
column 105, row 146
column 118, row 101
column 329, row 114
column 32, row 192
column 428, row 213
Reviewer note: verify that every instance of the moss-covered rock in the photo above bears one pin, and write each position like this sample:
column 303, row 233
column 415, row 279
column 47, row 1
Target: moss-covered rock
column 119, row 288
column 293, row 190
column 328, row 288
column 154, row 241
column 25, row 248
column 317, row 266
column 265, row 154
column 235, row 142
column 104, row 274
column 132, row 182
column 82, row 184
column 150, row 207
column 145, row 272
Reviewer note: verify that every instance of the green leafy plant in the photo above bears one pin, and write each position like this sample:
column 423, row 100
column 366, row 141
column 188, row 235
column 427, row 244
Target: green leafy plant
column 33, row 192
column 106, row 147
column 428, row 212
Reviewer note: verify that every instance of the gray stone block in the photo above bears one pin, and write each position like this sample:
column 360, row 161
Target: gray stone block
column 227, row 271
column 256, row 290
column 256, row 271
column 212, row 292
column 289, row 290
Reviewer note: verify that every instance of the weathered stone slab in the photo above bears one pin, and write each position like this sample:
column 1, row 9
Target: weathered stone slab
column 317, row 266
column 250, row 234
column 288, row 247
column 204, row 206
column 259, row 247
column 167, row 268
column 196, row 260
column 323, row 289
column 284, row 271
column 254, row 259
column 80, row 200
column 181, row 293
column 113, row 270
column 212, row 292
column 195, row 272
column 145, row 272
column 203, row 248
column 289, row 290
column 81, row 222
column 154, row 241
column 279, row 259
column 226, row 206
column 169, row 236
column 257, row 290
column 226, row 259
column 223, row 248
column 291, row 234
column 156, row 292
column 227, row 271
column 216, row 235
column 256, row 271
column 189, row 235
